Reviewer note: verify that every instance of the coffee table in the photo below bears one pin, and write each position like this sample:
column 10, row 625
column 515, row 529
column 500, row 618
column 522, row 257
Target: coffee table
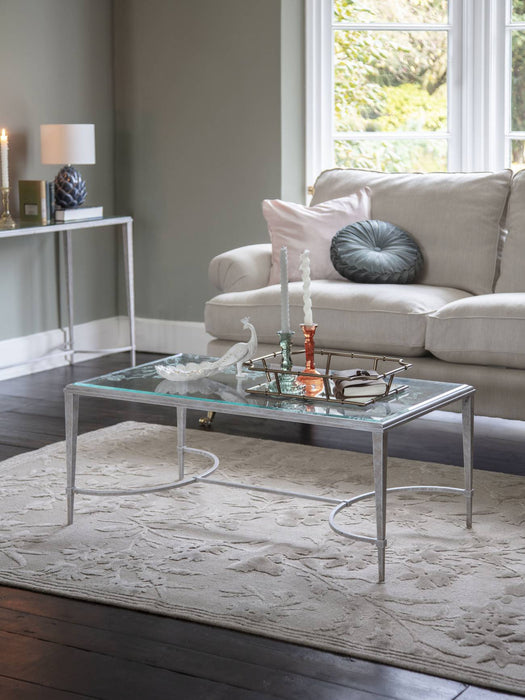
column 225, row 392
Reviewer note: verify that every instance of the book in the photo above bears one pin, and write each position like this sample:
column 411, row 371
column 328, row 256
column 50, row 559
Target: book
column 50, row 192
column 359, row 385
column 33, row 201
column 370, row 390
column 78, row 213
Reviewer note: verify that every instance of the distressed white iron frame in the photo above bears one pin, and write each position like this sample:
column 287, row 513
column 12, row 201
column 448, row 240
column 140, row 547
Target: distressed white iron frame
column 462, row 392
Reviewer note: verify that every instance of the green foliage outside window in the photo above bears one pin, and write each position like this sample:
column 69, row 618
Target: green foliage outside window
column 396, row 81
column 518, row 85
column 390, row 81
column 518, row 10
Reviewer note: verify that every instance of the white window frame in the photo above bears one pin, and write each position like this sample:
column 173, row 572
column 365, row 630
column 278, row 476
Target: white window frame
column 478, row 85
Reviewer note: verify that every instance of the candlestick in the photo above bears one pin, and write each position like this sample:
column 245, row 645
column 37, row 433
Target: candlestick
column 6, row 220
column 285, row 306
column 287, row 382
column 304, row 266
column 4, row 147
column 313, row 384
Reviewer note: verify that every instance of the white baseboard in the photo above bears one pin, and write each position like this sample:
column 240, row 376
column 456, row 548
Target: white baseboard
column 158, row 335
column 152, row 335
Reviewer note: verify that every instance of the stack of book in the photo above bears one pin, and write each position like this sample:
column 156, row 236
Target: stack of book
column 37, row 205
column 359, row 385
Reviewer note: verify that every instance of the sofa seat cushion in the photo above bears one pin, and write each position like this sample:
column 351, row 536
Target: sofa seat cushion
column 483, row 330
column 454, row 218
column 386, row 318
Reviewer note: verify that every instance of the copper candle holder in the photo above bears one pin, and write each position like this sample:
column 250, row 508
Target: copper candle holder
column 310, row 379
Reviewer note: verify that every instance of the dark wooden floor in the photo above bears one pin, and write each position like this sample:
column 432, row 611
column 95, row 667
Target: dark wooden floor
column 53, row 647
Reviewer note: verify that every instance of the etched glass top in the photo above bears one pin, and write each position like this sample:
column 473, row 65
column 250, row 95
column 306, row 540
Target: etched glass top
column 225, row 388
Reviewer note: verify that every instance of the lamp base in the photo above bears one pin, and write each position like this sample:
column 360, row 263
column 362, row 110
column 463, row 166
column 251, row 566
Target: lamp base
column 70, row 188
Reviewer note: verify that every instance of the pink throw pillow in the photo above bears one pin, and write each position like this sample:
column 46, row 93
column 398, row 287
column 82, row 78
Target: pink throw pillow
column 298, row 227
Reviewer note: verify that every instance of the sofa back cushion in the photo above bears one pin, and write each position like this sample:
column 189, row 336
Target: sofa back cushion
column 512, row 278
column 454, row 217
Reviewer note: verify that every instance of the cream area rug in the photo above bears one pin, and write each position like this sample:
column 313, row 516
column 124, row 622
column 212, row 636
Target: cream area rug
column 453, row 603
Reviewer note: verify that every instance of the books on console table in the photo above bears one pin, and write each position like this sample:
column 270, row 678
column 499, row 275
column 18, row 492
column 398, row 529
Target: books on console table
column 78, row 214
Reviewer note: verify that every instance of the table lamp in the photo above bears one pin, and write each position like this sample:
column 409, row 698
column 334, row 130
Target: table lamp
column 68, row 143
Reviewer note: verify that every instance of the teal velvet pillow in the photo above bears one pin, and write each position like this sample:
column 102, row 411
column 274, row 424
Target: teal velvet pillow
column 376, row 251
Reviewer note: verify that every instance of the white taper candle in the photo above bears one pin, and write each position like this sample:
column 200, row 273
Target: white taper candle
column 3, row 156
column 304, row 266
column 285, row 307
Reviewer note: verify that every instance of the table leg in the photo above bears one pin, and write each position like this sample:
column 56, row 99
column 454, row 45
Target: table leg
column 379, row 446
column 181, row 436
column 127, row 235
column 468, row 456
column 68, row 254
column 71, row 411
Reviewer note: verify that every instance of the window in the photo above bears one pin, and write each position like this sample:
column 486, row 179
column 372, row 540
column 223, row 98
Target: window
column 402, row 85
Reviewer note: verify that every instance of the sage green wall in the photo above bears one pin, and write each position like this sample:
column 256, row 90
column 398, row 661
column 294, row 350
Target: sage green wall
column 293, row 138
column 56, row 58
column 207, row 98
column 199, row 135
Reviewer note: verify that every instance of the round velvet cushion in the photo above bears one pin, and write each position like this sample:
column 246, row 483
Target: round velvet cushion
column 376, row 251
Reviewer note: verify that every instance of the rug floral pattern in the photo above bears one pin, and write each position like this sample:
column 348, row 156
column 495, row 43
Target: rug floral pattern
column 453, row 602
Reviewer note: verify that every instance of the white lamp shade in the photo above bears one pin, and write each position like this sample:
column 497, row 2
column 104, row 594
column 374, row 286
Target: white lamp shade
column 67, row 143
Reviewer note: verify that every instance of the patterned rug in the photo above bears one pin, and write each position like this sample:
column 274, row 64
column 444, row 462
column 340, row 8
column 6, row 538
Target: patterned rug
column 453, row 603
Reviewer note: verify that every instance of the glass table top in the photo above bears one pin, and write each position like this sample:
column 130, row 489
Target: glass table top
column 225, row 388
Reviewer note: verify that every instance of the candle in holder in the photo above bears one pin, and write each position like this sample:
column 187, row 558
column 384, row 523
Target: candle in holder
column 304, row 267
column 285, row 307
column 4, row 145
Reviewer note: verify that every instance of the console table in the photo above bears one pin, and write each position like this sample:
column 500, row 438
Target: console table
column 66, row 230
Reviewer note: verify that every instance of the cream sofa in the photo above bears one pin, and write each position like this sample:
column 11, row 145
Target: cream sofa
column 464, row 321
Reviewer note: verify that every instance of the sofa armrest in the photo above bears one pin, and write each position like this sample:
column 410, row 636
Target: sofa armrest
column 241, row 269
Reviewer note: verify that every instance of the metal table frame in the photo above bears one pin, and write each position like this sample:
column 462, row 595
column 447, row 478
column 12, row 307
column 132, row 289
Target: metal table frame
column 462, row 392
column 66, row 232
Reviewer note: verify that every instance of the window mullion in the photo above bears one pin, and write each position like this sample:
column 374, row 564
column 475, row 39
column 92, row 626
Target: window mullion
column 319, row 88
column 473, row 66
column 478, row 88
column 455, row 79
column 389, row 26
column 390, row 135
column 497, row 95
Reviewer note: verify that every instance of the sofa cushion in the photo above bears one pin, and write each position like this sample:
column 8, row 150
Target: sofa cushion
column 386, row 318
column 511, row 277
column 484, row 330
column 298, row 228
column 454, row 217
column 376, row 252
